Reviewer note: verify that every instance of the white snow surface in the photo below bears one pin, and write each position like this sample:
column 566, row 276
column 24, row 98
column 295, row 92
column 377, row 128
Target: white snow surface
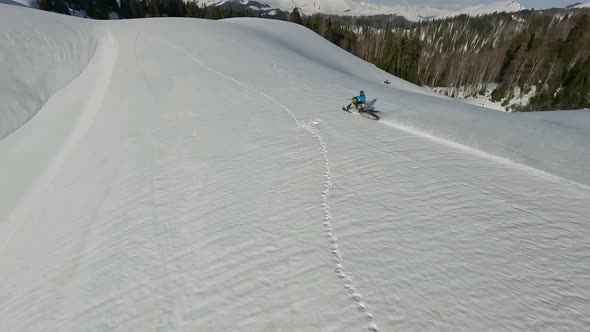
column 583, row 5
column 170, row 187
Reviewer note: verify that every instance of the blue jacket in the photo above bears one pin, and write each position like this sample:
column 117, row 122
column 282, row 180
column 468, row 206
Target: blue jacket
column 362, row 99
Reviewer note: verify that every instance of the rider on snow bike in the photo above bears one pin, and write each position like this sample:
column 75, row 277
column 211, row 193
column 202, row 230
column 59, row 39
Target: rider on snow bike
column 359, row 102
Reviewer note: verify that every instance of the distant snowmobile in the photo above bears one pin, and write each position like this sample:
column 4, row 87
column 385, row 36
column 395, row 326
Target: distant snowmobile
column 360, row 107
column 386, row 82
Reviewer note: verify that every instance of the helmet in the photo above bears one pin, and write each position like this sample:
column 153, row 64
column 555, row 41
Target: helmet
column 362, row 93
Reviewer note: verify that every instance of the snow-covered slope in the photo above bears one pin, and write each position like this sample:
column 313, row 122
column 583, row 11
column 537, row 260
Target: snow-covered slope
column 583, row 5
column 36, row 61
column 172, row 186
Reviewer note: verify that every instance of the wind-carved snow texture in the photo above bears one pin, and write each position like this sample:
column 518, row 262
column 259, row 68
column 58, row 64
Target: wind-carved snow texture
column 309, row 127
column 159, row 226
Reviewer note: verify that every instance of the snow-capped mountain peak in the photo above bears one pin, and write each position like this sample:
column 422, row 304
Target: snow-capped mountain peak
column 502, row 6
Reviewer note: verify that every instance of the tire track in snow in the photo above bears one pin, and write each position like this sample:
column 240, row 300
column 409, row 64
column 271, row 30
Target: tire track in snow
column 408, row 128
column 327, row 217
column 170, row 318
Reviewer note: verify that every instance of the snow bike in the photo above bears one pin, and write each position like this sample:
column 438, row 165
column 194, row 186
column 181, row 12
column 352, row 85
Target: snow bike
column 362, row 110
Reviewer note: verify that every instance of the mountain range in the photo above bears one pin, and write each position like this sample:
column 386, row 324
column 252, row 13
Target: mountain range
column 363, row 8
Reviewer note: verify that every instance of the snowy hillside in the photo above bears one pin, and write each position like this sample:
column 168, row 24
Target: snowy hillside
column 164, row 185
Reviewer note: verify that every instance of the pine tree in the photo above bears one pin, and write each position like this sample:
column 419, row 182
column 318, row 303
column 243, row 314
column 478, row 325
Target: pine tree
column 153, row 8
column 192, row 9
column 45, row 5
column 61, row 7
column 125, row 9
column 295, row 17
column 101, row 9
column 114, row 6
column 574, row 40
column 217, row 14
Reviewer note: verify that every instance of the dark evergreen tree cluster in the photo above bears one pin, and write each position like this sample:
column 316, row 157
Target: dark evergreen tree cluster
column 100, row 9
column 546, row 51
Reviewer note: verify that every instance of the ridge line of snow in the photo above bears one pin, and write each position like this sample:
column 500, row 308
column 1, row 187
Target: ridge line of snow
column 339, row 266
column 101, row 67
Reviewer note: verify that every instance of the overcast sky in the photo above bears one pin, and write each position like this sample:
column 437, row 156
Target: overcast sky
column 463, row 3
